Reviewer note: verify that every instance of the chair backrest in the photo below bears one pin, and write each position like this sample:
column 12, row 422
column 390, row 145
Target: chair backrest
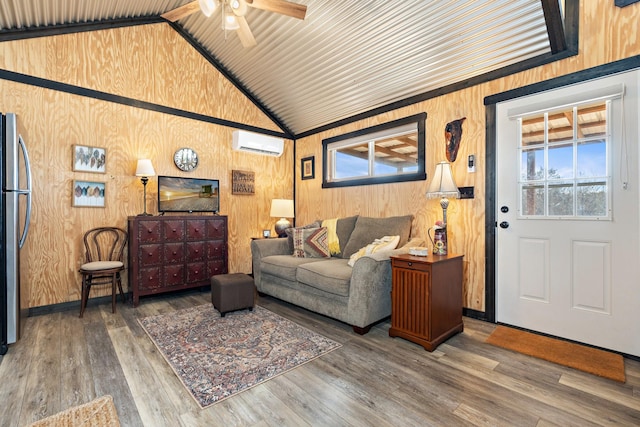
column 105, row 244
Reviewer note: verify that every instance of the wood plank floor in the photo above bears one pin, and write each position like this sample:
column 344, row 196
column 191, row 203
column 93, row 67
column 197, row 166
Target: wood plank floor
column 373, row 380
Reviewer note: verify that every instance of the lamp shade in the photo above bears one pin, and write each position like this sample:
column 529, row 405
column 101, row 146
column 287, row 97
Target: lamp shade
column 282, row 208
column 442, row 184
column 145, row 168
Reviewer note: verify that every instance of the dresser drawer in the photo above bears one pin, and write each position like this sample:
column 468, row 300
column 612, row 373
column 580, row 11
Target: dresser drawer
column 173, row 230
column 150, row 255
column 149, row 278
column 195, row 251
column 174, row 253
column 173, row 275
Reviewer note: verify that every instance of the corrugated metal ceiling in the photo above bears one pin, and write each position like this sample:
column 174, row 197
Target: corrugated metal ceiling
column 345, row 58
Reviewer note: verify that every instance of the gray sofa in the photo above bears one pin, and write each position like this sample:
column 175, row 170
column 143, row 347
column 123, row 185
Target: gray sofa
column 358, row 295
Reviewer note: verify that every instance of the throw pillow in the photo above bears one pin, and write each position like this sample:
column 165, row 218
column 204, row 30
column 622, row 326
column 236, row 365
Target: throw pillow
column 310, row 243
column 386, row 243
column 368, row 229
column 289, row 232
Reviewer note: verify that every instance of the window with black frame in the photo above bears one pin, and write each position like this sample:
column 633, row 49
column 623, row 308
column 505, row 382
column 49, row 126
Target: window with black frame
column 389, row 152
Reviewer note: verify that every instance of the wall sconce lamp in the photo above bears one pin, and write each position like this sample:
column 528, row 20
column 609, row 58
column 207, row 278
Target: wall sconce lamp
column 283, row 209
column 145, row 170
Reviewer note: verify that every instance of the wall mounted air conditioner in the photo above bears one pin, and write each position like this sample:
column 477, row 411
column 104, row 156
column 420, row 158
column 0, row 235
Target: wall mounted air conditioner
column 257, row 143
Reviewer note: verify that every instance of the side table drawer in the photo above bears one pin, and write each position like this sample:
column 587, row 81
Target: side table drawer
column 410, row 265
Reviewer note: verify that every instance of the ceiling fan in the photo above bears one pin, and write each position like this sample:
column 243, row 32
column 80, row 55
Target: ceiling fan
column 233, row 12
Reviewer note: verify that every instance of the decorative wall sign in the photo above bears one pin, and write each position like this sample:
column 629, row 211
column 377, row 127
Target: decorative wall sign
column 88, row 194
column 242, row 182
column 89, row 159
column 453, row 135
column 308, row 167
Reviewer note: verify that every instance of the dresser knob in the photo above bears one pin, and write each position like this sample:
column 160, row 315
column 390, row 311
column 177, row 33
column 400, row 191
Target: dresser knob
column 410, row 264
column 174, row 252
column 174, row 230
column 196, row 272
column 175, row 275
column 196, row 251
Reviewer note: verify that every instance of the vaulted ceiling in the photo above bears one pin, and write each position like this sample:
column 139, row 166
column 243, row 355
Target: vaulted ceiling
column 345, row 60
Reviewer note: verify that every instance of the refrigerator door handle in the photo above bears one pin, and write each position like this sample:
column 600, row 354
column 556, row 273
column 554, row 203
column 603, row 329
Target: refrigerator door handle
column 26, row 191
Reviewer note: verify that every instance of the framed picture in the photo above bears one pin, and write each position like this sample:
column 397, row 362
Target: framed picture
column 308, row 167
column 88, row 194
column 89, row 159
column 242, row 182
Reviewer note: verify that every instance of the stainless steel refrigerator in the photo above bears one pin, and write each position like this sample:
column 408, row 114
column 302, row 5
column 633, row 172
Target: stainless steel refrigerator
column 15, row 214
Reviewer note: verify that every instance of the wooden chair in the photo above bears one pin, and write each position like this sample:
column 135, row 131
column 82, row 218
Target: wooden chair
column 104, row 247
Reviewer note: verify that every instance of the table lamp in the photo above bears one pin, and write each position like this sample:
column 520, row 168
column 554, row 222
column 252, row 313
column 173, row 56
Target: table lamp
column 283, row 209
column 145, row 170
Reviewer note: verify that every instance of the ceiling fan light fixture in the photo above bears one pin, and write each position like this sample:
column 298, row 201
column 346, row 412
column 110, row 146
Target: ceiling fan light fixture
column 230, row 22
column 207, row 7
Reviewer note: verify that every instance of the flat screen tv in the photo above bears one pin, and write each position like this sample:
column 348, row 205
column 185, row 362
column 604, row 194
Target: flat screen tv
column 176, row 194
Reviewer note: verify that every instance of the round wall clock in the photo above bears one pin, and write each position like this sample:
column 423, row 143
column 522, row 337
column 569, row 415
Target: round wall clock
column 185, row 159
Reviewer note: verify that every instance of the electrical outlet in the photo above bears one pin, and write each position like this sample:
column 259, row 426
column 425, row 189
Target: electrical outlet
column 466, row 192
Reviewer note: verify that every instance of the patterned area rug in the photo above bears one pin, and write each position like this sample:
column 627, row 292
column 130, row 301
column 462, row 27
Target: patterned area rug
column 216, row 357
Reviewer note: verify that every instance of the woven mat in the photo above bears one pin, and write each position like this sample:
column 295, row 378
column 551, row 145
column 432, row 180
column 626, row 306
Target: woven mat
column 100, row 412
column 587, row 359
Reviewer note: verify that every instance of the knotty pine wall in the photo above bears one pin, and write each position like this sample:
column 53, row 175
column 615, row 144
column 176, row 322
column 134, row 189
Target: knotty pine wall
column 607, row 34
column 150, row 63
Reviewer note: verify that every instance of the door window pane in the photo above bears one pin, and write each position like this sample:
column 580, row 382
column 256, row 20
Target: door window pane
column 592, row 157
column 533, row 200
column 563, row 163
column 592, row 199
column 532, row 164
column 561, row 200
column 560, row 162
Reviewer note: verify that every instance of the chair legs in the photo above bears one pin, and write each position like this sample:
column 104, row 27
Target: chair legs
column 86, row 287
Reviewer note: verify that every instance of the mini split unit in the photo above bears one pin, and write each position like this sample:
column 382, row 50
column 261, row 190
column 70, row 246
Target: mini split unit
column 257, row 143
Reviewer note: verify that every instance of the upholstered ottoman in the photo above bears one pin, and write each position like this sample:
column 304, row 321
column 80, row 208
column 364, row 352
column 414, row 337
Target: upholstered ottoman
column 231, row 292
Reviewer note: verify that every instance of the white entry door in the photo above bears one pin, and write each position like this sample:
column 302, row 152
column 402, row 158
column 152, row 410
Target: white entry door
column 568, row 237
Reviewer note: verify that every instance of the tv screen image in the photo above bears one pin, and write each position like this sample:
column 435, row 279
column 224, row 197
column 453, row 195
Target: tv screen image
column 176, row 194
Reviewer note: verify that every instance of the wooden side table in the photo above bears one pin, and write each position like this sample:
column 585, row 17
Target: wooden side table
column 426, row 298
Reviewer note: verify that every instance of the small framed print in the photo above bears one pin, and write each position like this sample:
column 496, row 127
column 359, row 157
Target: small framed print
column 88, row 194
column 89, row 159
column 308, row 167
column 242, row 182
column 266, row 233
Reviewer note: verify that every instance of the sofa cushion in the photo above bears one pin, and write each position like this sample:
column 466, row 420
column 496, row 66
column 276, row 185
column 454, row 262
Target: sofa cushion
column 369, row 229
column 310, row 243
column 344, row 228
column 289, row 232
column 283, row 266
column 332, row 276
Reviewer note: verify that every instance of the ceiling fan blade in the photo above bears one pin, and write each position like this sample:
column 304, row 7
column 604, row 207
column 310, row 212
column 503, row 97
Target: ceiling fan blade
column 283, row 7
column 182, row 11
column 244, row 32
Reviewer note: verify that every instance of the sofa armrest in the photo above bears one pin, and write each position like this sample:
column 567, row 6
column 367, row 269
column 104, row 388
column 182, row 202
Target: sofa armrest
column 261, row 248
column 370, row 288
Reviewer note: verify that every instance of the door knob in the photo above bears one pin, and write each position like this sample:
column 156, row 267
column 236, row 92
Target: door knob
column 504, row 224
